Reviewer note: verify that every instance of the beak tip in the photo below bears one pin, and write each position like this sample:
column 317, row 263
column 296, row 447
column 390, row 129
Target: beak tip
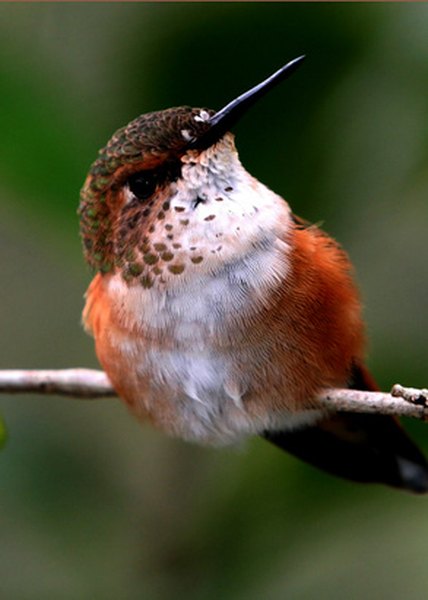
column 293, row 64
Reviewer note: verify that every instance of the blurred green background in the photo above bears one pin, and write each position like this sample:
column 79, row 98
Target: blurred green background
column 94, row 506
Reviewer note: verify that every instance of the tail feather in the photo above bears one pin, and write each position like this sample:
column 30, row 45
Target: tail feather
column 360, row 447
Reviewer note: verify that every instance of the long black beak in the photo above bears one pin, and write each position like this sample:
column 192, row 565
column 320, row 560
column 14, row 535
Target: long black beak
column 223, row 120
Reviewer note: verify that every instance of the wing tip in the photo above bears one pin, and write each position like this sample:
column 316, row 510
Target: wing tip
column 413, row 475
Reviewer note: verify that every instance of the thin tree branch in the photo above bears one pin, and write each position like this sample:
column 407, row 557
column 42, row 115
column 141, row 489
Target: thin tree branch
column 90, row 383
column 401, row 402
column 78, row 383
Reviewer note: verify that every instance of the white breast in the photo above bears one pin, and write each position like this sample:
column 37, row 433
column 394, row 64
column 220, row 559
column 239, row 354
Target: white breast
column 192, row 373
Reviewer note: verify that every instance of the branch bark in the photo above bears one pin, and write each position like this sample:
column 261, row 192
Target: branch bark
column 400, row 402
column 91, row 384
column 77, row 383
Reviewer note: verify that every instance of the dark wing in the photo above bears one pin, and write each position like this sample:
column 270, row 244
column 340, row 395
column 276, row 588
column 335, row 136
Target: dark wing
column 360, row 447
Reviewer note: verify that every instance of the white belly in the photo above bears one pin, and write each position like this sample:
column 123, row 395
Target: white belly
column 208, row 399
column 196, row 387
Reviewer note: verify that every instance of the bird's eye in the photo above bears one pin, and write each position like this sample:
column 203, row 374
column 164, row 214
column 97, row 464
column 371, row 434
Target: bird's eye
column 143, row 184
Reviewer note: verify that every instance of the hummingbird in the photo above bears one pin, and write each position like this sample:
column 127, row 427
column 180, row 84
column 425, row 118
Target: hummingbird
column 217, row 313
